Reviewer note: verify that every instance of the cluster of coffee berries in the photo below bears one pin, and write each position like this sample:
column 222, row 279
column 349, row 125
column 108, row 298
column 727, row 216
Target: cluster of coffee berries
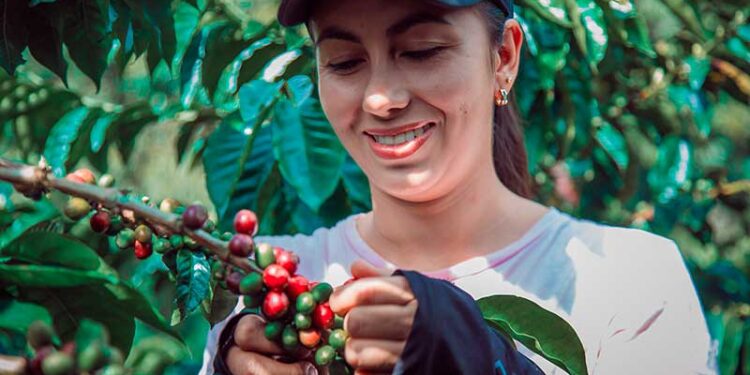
column 296, row 310
column 130, row 232
column 96, row 358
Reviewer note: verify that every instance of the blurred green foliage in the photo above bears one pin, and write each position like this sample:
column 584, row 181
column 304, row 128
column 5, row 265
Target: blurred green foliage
column 635, row 114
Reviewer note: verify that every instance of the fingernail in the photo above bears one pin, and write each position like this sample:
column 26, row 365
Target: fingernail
column 310, row 369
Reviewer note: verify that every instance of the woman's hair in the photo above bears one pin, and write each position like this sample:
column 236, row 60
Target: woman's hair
column 508, row 149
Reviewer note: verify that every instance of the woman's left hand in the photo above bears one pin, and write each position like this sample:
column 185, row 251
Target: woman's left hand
column 379, row 310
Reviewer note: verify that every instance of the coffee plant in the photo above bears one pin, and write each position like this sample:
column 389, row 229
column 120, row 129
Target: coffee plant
column 635, row 114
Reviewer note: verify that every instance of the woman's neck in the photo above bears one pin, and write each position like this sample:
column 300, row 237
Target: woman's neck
column 478, row 217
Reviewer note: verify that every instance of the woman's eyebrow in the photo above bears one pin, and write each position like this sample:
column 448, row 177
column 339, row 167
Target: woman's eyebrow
column 400, row 27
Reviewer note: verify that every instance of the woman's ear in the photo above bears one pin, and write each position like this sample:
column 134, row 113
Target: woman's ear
column 508, row 55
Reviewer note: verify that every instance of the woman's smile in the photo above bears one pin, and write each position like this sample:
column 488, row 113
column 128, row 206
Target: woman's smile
column 390, row 144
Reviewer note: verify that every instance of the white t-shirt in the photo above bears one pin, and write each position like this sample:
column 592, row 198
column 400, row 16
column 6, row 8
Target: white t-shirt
column 626, row 292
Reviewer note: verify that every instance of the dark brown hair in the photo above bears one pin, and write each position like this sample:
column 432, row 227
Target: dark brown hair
column 508, row 149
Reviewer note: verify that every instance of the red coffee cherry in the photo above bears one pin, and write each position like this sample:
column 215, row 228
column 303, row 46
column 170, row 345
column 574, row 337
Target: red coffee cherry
column 241, row 245
column 142, row 250
column 275, row 305
column 100, row 221
column 195, row 216
column 288, row 260
column 323, row 316
column 246, row 222
column 296, row 286
column 233, row 282
column 275, row 277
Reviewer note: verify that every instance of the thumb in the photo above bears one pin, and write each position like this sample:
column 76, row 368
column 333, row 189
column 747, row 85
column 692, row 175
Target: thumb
column 361, row 269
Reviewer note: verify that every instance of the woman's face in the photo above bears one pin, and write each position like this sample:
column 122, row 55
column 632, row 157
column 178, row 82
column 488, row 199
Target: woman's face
column 409, row 91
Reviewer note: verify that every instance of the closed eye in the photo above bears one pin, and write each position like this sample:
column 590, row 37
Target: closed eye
column 417, row 55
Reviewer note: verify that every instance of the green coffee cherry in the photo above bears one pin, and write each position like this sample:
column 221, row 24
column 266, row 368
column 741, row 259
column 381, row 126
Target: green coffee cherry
column 92, row 357
column 322, row 292
column 324, row 355
column 337, row 339
column 161, row 245
column 305, row 303
column 273, row 330
column 264, row 255
column 338, row 322
column 252, row 301
column 302, row 321
column 58, row 363
column 176, row 241
column 289, row 338
column 251, row 284
column 125, row 238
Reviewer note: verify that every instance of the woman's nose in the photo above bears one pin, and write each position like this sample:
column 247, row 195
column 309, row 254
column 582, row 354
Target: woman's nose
column 385, row 95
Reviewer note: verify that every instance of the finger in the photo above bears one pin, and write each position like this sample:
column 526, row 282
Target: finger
column 361, row 269
column 373, row 355
column 365, row 321
column 371, row 291
column 249, row 335
column 248, row 363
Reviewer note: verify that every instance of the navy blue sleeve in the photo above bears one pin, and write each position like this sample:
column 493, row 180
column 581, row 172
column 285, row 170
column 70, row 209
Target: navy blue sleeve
column 449, row 335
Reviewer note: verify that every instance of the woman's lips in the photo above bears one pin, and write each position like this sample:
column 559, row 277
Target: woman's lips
column 401, row 150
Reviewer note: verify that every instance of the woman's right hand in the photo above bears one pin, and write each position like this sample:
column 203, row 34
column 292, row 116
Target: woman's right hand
column 253, row 354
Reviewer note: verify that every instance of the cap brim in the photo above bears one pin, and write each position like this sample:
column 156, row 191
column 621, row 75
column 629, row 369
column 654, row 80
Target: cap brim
column 295, row 12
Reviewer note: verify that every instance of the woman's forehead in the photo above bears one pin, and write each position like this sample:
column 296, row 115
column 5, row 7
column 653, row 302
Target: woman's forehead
column 377, row 15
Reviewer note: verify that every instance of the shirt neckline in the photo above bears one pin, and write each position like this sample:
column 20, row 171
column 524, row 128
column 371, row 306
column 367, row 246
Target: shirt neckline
column 465, row 268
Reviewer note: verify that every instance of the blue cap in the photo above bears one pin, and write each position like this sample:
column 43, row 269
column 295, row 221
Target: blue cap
column 294, row 12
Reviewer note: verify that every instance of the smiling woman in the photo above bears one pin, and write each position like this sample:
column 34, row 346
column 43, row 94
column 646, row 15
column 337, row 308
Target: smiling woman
column 418, row 94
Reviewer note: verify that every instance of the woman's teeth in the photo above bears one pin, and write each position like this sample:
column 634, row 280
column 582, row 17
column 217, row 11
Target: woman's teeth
column 403, row 137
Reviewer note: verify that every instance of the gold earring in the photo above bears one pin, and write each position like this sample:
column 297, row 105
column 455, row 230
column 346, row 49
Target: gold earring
column 501, row 97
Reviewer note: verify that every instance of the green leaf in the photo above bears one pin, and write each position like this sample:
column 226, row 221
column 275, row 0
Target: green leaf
column 738, row 48
column 42, row 211
column 536, row 328
column 674, row 165
column 256, row 97
column 45, row 39
column 638, row 38
column 237, row 162
column 159, row 15
column 49, row 276
column 300, row 89
column 186, row 19
column 61, row 138
column 14, row 37
column 309, row 153
column 698, row 70
column 99, row 131
column 89, row 333
column 597, row 39
column 222, row 304
column 193, row 274
column 551, row 11
column 613, row 143
column 229, row 80
column 18, row 316
column 88, row 36
column 69, row 306
column 279, row 65
column 54, row 249
column 222, row 49
column 191, row 71
column 730, row 347
column 355, row 182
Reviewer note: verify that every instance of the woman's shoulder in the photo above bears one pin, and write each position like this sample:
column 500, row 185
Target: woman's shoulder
column 303, row 241
column 616, row 242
